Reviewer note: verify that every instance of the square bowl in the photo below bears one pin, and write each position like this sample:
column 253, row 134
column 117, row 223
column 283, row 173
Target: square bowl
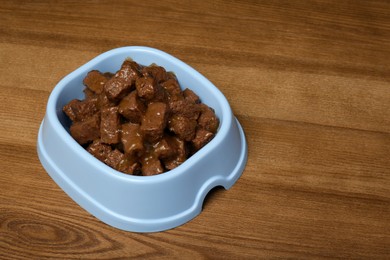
column 140, row 203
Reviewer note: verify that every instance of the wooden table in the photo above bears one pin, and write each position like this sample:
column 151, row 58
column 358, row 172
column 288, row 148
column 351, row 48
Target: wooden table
column 308, row 80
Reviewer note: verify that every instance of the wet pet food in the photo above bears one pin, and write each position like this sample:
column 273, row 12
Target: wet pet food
column 139, row 120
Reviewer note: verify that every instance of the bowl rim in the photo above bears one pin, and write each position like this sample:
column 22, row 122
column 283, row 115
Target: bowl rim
column 225, row 118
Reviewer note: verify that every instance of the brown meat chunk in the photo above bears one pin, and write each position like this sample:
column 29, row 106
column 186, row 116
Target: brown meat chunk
column 183, row 127
column 99, row 150
column 104, row 101
column 86, row 130
column 172, row 87
column 104, row 152
column 114, row 159
column 207, row 119
column 129, row 165
column 163, row 148
column 191, row 96
column 116, row 88
column 185, row 108
column 131, row 107
column 154, row 121
column 146, row 87
column 109, row 125
column 78, row 110
column 128, row 72
column 72, row 109
column 159, row 96
column 151, row 165
column 131, row 139
column 202, row 137
column 180, row 155
column 95, row 81
column 156, row 72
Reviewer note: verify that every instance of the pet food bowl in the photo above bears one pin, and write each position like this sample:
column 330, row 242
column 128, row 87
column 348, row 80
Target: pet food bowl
column 140, row 203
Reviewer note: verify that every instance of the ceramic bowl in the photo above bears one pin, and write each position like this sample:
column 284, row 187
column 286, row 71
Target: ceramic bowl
column 140, row 203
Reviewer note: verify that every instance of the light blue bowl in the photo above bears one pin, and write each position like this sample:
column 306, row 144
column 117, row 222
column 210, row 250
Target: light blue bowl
column 140, row 203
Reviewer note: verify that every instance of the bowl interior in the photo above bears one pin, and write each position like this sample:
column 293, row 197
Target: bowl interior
column 71, row 86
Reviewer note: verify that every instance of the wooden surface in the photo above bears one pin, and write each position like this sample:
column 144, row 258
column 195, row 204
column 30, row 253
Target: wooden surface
column 308, row 80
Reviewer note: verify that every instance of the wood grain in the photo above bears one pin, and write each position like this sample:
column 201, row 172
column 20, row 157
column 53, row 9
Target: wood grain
column 308, row 80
